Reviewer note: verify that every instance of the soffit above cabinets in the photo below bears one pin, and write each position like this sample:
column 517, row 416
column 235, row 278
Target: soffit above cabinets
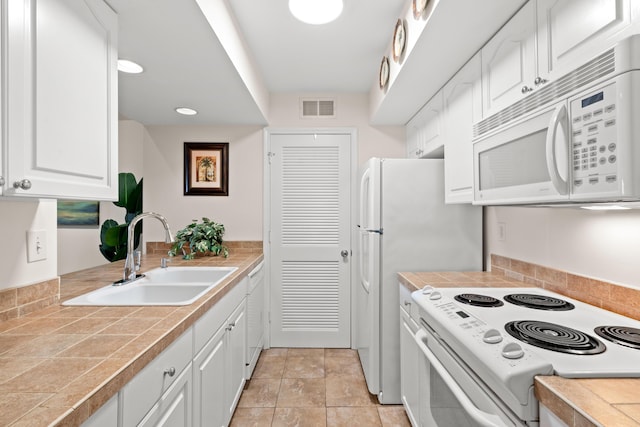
column 186, row 64
column 453, row 31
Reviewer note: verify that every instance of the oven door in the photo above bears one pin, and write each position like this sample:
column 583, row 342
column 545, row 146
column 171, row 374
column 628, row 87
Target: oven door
column 451, row 396
column 526, row 162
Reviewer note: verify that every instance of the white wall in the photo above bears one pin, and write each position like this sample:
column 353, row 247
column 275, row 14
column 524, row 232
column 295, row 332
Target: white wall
column 352, row 110
column 78, row 247
column 241, row 211
column 16, row 217
column 603, row 245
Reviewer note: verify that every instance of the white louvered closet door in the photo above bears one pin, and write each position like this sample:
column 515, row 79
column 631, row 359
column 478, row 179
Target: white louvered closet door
column 310, row 227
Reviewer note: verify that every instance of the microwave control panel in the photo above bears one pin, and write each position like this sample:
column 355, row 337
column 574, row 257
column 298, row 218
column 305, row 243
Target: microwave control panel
column 594, row 157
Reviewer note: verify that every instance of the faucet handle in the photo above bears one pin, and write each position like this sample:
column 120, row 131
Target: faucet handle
column 163, row 262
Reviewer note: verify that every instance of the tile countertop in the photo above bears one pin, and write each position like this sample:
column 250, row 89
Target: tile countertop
column 578, row 402
column 60, row 364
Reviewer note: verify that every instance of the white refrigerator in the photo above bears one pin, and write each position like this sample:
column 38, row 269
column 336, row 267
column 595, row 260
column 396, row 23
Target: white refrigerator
column 404, row 225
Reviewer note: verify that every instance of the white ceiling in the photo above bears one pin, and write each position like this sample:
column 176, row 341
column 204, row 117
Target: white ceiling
column 186, row 65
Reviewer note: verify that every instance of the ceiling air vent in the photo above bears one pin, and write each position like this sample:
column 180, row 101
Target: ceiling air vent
column 318, row 108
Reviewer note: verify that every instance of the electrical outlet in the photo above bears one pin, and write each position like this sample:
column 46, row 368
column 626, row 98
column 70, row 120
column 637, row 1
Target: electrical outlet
column 36, row 245
column 502, row 231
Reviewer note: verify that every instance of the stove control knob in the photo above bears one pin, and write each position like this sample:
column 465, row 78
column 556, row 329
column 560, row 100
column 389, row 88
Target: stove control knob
column 427, row 290
column 435, row 295
column 492, row 336
column 512, row 351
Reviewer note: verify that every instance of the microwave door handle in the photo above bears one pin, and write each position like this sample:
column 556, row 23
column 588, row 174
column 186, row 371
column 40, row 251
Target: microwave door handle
column 482, row 418
column 558, row 122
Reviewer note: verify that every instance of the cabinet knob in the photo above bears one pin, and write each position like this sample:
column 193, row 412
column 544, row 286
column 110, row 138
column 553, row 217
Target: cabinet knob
column 25, row 184
column 539, row 81
column 344, row 253
column 170, row 371
column 2, row 181
column 526, row 89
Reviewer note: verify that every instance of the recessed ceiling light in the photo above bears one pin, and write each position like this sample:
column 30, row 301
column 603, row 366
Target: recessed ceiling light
column 186, row 111
column 130, row 67
column 316, row 12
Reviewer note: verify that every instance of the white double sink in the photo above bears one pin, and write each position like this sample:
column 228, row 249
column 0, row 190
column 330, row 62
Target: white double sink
column 161, row 286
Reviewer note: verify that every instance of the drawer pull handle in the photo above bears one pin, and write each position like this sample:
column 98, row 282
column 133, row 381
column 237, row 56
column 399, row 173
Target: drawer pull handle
column 170, row 371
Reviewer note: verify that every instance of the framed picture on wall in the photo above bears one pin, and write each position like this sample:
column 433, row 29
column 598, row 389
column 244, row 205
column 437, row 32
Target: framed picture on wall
column 78, row 214
column 206, row 168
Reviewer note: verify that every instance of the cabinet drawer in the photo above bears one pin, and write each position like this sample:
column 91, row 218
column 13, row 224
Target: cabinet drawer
column 211, row 321
column 146, row 388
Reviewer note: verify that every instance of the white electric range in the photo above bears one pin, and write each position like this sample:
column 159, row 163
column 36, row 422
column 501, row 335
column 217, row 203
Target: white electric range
column 501, row 338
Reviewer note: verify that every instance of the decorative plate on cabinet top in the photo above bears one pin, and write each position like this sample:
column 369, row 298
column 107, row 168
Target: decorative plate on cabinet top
column 384, row 72
column 418, row 8
column 399, row 40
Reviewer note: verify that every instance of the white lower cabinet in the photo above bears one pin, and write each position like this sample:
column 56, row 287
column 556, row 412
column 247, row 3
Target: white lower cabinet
column 173, row 409
column 209, row 369
column 409, row 359
column 219, row 372
column 177, row 389
column 144, row 398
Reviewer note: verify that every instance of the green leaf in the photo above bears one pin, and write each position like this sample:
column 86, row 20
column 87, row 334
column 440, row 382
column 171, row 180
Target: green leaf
column 126, row 184
column 116, row 236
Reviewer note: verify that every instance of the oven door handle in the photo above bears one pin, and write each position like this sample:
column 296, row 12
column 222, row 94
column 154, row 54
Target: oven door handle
column 482, row 418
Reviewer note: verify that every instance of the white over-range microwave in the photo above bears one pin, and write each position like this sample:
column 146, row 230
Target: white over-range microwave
column 578, row 140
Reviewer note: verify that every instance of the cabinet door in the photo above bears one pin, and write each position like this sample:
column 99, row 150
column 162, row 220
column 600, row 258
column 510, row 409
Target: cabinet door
column 509, row 62
column 60, row 62
column 174, row 407
column 571, row 32
column 237, row 339
column 425, row 129
column 209, row 403
column 409, row 385
column 463, row 107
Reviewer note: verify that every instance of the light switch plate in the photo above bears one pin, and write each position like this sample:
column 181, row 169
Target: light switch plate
column 36, row 245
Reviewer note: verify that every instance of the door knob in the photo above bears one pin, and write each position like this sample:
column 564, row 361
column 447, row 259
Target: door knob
column 344, row 253
column 2, row 180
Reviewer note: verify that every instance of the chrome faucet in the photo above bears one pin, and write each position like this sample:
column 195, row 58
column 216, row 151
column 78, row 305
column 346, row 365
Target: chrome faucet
column 130, row 263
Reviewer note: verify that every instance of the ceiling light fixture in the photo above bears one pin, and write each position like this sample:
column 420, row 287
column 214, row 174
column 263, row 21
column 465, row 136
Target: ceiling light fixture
column 130, row 67
column 186, row 111
column 316, row 12
column 605, row 208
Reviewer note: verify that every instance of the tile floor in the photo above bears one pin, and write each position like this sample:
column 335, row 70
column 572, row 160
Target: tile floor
column 312, row 387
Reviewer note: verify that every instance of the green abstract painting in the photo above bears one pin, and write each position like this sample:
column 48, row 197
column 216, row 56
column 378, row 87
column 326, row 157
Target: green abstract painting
column 78, row 214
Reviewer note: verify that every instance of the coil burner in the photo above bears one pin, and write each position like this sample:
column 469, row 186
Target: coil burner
column 623, row 335
column 478, row 300
column 539, row 302
column 554, row 337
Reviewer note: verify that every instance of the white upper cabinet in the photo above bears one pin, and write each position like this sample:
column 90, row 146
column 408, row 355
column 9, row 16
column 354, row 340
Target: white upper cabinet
column 545, row 40
column 509, row 61
column 424, row 131
column 60, row 99
column 462, row 108
column 571, row 32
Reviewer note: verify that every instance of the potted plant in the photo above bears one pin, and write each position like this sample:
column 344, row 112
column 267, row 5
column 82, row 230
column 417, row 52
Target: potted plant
column 201, row 238
column 113, row 236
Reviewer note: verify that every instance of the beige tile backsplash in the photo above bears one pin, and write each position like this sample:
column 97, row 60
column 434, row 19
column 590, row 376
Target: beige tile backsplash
column 617, row 298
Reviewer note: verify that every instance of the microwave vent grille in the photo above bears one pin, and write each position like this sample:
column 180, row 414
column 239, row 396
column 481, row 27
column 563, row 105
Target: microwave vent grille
column 593, row 70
